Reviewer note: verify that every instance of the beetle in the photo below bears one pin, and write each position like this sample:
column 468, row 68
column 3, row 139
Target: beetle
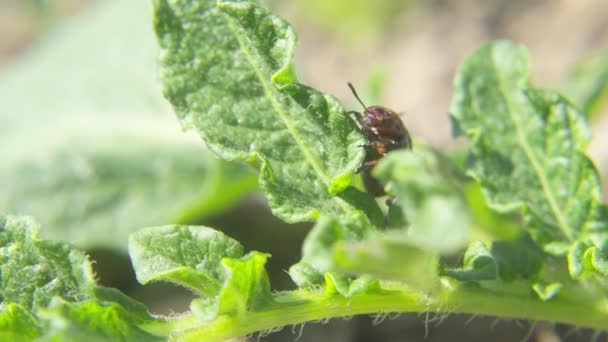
column 385, row 132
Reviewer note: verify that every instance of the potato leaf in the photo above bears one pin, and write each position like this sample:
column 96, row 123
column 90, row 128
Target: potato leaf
column 227, row 69
column 92, row 321
column 505, row 260
column 338, row 284
column 428, row 217
column 94, row 189
column 17, row 323
column 317, row 248
column 547, row 291
column 47, row 290
column 427, row 198
column 189, row 256
column 528, row 150
column 388, row 257
column 477, row 264
column 206, row 261
column 246, row 288
column 33, row 271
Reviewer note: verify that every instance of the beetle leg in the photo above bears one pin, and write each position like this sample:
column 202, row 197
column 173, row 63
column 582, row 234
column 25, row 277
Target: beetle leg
column 391, row 144
column 367, row 165
column 367, row 146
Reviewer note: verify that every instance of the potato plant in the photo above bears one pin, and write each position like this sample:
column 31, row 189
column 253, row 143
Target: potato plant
column 526, row 187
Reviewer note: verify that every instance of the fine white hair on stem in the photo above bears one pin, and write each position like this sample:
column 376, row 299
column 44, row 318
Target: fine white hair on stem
column 300, row 328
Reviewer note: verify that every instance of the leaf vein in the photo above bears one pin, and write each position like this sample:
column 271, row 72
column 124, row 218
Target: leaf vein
column 277, row 107
column 532, row 158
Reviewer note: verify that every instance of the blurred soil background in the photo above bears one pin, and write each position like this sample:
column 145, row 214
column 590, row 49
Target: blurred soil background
column 401, row 54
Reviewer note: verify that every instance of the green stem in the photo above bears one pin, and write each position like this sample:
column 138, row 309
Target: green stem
column 292, row 308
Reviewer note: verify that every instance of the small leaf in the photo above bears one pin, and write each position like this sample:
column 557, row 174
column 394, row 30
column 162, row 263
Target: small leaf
column 305, row 275
column 528, row 148
column 92, row 321
column 17, row 324
column 517, row 259
column 596, row 260
column 576, row 260
column 317, row 248
column 227, row 69
column 246, row 288
column 584, row 260
column 428, row 197
column 138, row 312
column 206, row 261
column 187, row 255
column 506, row 260
column 478, row 264
column 547, row 292
column 33, row 271
column 340, row 284
column 587, row 85
column 388, row 256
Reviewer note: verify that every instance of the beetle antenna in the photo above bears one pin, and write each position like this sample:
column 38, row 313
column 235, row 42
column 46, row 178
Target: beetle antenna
column 356, row 96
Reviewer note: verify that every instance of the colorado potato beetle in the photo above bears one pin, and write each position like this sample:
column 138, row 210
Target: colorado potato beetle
column 385, row 132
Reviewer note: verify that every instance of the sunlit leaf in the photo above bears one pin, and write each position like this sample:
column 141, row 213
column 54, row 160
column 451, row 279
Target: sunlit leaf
column 227, row 69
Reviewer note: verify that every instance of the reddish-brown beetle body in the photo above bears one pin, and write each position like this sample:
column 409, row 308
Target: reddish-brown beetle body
column 385, row 132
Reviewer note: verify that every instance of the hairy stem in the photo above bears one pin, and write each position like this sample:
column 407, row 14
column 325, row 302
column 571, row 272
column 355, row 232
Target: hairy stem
column 292, row 308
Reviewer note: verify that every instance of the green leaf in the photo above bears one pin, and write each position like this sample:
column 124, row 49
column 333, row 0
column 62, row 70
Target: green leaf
column 528, row 148
column 138, row 312
column 92, row 321
column 33, row 271
column 94, row 192
column 505, row 260
column 587, row 85
column 576, row 260
column 186, row 255
column 47, row 288
column 101, row 155
column 547, row 292
column 246, row 288
column 17, row 324
column 477, row 264
column 317, row 248
column 388, row 256
column 227, row 69
column 341, row 285
column 428, row 197
column 596, row 260
column 584, row 260
column 517, row 259
column 423, row 186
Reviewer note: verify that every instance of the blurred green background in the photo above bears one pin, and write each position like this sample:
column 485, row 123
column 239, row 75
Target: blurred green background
column 91, row 149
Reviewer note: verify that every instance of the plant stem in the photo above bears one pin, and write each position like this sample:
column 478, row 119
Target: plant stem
column 292, row 308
